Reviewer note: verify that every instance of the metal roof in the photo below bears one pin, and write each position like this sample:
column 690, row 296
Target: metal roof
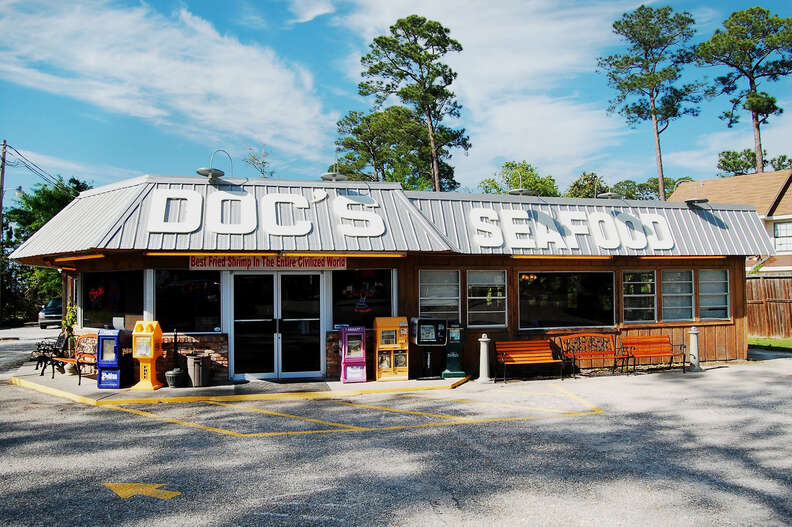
column 168, row 213
column 703, row 230
column 119, row 216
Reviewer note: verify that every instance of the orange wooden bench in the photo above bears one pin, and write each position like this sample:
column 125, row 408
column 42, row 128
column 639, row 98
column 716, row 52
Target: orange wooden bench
column 526, row 352
column 653, row 346
column 592, row 346
column 84, row 355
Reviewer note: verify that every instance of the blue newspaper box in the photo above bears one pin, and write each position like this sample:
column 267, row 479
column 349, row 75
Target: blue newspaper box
column 113, row 370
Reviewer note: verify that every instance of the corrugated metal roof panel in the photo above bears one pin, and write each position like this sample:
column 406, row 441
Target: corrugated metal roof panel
column 82, row 224
column 118, row 217
column 705, row 230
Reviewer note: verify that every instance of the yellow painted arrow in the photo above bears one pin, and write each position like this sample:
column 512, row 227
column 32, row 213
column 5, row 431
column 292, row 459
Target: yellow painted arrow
column 127, row 490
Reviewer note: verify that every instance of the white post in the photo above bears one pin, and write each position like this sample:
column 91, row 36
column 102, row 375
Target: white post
column 693, row 350
column 484, row 373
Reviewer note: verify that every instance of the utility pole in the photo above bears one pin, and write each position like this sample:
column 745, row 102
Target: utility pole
column 2, row 232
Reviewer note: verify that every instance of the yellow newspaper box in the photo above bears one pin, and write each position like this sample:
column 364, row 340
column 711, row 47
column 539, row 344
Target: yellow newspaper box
column 147, row 348
column 391, row 348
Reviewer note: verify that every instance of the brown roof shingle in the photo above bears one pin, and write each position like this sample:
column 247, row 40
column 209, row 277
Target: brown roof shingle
column 759, row 190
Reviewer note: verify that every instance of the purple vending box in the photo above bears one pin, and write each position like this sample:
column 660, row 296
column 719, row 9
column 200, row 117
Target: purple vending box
column 353, row 354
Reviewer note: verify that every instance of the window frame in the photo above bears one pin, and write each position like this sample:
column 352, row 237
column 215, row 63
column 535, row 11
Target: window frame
column 727, row 293
column 505, row 298
column 693, row 295
column 392, row 300
column 82, row 298
column 458, row 296
column 776, row 237
column 654, row 295
column 545, row 328
column 154, row 300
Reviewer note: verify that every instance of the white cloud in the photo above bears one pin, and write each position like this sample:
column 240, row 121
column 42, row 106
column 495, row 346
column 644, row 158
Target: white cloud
column 515, row 53
column 307, row 10
column 703, row 159
column 175, row 71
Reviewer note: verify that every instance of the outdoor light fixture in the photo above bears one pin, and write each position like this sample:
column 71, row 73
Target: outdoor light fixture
column 694, row 202
column 215, row 173
column 609, row 195
column 83, row 257
column 521, row 192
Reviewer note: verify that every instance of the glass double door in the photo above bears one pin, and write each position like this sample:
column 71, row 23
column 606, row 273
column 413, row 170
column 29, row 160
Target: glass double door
column 277, row 325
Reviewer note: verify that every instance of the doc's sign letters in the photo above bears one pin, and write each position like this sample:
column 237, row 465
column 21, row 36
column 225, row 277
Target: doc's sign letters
column 533, row 229
column 179, row 211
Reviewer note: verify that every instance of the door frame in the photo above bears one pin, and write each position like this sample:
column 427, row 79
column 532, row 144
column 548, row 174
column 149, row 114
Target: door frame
column 228, row 289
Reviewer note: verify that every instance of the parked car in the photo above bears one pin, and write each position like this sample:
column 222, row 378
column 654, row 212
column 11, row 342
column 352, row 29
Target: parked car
column 51, row 314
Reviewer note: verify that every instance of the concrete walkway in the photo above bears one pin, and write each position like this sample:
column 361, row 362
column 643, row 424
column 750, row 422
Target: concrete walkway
column 65, row 385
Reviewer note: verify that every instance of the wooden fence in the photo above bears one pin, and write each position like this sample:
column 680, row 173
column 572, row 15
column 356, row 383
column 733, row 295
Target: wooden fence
column 769, row 306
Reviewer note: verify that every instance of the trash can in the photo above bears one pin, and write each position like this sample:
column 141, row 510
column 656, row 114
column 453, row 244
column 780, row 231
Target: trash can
column 197, row 369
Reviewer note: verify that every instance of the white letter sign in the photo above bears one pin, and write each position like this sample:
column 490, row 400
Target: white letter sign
column 492, row 236
column 374, row 225
column 190, row 205
column 657, row 232
column 269, row 215
column 214, row 212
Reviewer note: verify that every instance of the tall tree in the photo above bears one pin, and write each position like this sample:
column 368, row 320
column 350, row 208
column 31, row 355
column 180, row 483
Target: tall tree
column 513, row 175
column 408, row 63
column 587, row 185
column 756, row 46
column 646, row 76
column 733, row 163
column 393, row 145
column 32, row 211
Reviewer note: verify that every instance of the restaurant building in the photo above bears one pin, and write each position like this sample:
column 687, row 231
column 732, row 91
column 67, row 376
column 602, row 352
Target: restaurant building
column 261, row 273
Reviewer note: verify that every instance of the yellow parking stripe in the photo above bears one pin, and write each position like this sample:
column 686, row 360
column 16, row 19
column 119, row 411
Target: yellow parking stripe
column 398, row 411
column 176, row 421
column 487, row 403
column 281, row 414
column 577, row 398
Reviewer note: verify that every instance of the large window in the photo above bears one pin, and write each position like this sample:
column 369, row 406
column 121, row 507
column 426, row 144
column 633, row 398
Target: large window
column 486, row 298
column 677, row 294
column 188, row 301
column 639, row 296
column 361, row 295
column 713, row 294
column 111, row 299
column 782, row 234
column 439, row 294
column 566, row 299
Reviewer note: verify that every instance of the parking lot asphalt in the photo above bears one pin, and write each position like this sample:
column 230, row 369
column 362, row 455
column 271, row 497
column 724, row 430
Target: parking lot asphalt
column 659, row 449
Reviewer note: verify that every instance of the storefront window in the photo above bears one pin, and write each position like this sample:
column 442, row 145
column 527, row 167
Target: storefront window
column 361, row 295
column 565, row 299
column 639, row 296
column 713, row 294
column 486, row 298
column 677, row 295
column 112, row 295
column 188, row 301
column 782, row 233
column 439, row 294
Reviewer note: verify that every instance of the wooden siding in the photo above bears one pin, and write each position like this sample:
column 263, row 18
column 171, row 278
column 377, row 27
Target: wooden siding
column 769, row 306
column 718, row 339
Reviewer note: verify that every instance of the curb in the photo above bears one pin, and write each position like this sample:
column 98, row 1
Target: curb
column 24, row 383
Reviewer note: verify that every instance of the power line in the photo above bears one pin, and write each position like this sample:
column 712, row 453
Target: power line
column 37, row 170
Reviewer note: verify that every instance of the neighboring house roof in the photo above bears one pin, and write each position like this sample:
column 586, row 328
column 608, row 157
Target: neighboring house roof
column 168, row 213
column 769, row 192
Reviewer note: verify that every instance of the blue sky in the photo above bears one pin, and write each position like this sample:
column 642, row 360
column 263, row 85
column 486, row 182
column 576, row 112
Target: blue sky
column 106, row 90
